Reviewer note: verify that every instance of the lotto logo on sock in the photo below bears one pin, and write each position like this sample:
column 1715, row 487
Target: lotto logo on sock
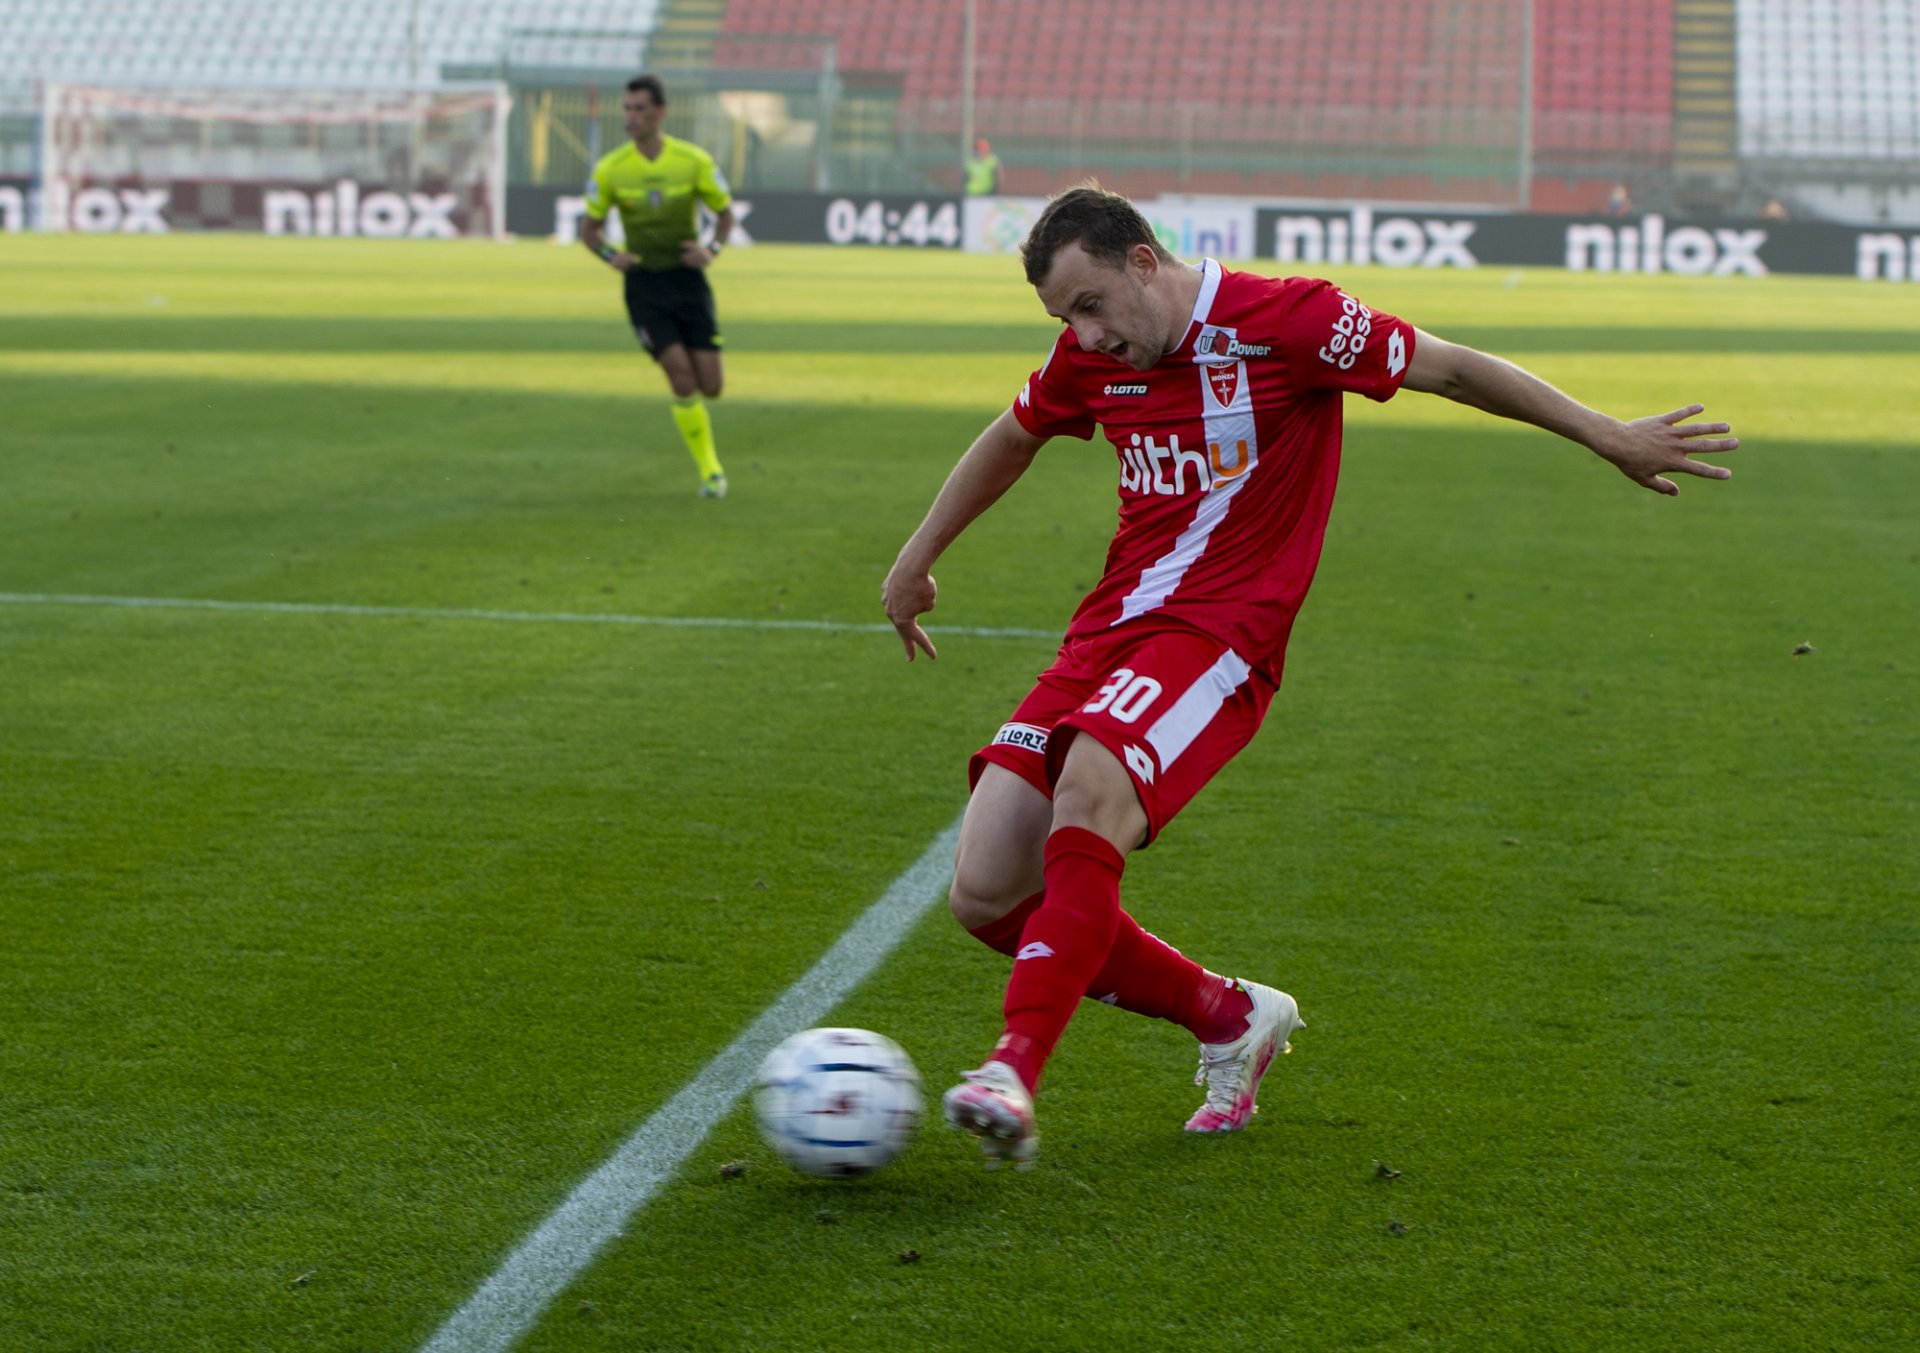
column 1038, row 949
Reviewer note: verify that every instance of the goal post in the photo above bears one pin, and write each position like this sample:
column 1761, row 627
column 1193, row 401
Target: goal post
column 386, row 163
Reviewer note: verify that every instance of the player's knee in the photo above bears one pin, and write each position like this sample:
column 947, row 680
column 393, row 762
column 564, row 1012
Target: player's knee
column 970, row 909
column 965, row 907
column 980, row 895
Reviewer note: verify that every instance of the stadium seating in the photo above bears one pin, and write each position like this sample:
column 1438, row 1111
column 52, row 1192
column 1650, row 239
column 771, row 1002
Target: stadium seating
column 342, row 42
column 1835, row 82
column 1604, row 75
column 1295, row 97
column 1411, row 76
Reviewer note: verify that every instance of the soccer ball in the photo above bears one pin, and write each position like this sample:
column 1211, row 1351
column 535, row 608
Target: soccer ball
column 837, row 1103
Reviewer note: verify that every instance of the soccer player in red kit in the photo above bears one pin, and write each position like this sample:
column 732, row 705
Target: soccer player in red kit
column 1221, row 393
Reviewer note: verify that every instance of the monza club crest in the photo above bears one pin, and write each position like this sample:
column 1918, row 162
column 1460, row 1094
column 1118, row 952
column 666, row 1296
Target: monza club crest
column 1224, row 381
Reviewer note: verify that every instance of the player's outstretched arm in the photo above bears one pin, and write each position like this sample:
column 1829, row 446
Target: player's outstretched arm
column 1645, row 450
column 997, row 458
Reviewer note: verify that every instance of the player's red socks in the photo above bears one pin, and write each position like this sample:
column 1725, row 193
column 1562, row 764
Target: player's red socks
column 1143, row 974
column 1064, row 945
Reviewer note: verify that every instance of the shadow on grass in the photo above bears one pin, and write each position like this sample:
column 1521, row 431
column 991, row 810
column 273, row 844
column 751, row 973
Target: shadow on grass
column 508, row 334
column 487, row 334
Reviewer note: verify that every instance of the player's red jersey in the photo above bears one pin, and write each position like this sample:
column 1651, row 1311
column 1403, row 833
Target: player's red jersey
column 1229, row 449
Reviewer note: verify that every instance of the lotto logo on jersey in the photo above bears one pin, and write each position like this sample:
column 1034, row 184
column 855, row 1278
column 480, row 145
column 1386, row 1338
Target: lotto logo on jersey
column 1217, row 344
column 1350, row 333
column 1139, row 762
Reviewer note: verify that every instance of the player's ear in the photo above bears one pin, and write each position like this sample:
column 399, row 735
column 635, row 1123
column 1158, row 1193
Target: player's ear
column 1143, row 262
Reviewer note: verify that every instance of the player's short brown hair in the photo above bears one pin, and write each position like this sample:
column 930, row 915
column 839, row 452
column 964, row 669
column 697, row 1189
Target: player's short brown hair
column 1104, row 224
column 650, row 83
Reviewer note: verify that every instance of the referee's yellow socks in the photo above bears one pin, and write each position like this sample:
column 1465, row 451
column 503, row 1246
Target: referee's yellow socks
column 696, row 430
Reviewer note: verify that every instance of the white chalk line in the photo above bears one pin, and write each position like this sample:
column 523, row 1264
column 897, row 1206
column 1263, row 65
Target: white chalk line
column 507, row 1304
column 519, row 617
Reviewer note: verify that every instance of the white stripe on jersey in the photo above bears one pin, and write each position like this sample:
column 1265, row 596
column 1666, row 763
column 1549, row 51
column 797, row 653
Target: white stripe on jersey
column 1231, row 429
column 1173, row 732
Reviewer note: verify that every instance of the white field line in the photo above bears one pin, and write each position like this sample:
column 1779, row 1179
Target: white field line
column 506, row 1305
column 692, row 622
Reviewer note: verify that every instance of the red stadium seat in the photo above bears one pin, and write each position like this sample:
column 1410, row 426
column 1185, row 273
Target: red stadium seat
column 1396, row 76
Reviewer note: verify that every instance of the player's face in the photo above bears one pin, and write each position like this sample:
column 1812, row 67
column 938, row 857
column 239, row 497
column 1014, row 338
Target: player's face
column 643, row 115
column 1110, row 310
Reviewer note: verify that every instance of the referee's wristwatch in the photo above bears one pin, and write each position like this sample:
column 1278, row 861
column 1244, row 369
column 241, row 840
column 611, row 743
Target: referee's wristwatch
column 715, row 248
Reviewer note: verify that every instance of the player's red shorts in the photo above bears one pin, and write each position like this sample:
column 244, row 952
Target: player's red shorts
column 1171, row 703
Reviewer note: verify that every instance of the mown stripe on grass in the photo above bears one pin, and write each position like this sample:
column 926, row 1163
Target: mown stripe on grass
column 506, row 1305
column 695, row 622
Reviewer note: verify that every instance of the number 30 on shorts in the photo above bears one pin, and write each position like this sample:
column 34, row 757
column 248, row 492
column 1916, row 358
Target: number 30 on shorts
column 1125, row 696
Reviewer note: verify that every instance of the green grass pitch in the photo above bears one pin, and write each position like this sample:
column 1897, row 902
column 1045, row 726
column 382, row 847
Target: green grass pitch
column 339, row 947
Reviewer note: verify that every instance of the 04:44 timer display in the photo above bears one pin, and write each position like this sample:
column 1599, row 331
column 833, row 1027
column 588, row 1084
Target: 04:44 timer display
column 893, row 222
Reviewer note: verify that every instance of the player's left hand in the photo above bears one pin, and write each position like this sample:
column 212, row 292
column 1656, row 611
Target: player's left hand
column 696, row 255
column 1649, row 449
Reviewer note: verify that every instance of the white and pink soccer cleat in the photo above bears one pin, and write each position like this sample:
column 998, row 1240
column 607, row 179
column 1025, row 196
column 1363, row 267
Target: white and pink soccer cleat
column 994, row 1106
column 1232, row 1071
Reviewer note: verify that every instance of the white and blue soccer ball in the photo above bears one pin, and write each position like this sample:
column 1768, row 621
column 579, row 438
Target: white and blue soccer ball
column 838, row 1103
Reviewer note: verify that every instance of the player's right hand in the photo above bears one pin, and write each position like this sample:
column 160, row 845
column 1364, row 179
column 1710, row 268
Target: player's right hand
column 908, row 594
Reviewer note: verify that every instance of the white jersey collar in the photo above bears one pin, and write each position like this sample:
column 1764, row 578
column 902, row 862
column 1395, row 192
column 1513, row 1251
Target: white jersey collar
column 1209, row 288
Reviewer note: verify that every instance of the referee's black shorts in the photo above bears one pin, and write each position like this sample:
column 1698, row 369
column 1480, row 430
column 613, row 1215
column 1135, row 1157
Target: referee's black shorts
column 674, row 305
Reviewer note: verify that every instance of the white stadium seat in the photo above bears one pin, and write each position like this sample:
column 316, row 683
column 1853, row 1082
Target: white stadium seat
column 1829, row 79
column 319, row 42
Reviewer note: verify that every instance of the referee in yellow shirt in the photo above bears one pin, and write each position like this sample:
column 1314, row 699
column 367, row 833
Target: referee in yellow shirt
column 656, row 183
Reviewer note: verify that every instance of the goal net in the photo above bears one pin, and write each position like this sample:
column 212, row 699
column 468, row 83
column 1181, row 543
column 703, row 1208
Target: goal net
column 387, row 163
